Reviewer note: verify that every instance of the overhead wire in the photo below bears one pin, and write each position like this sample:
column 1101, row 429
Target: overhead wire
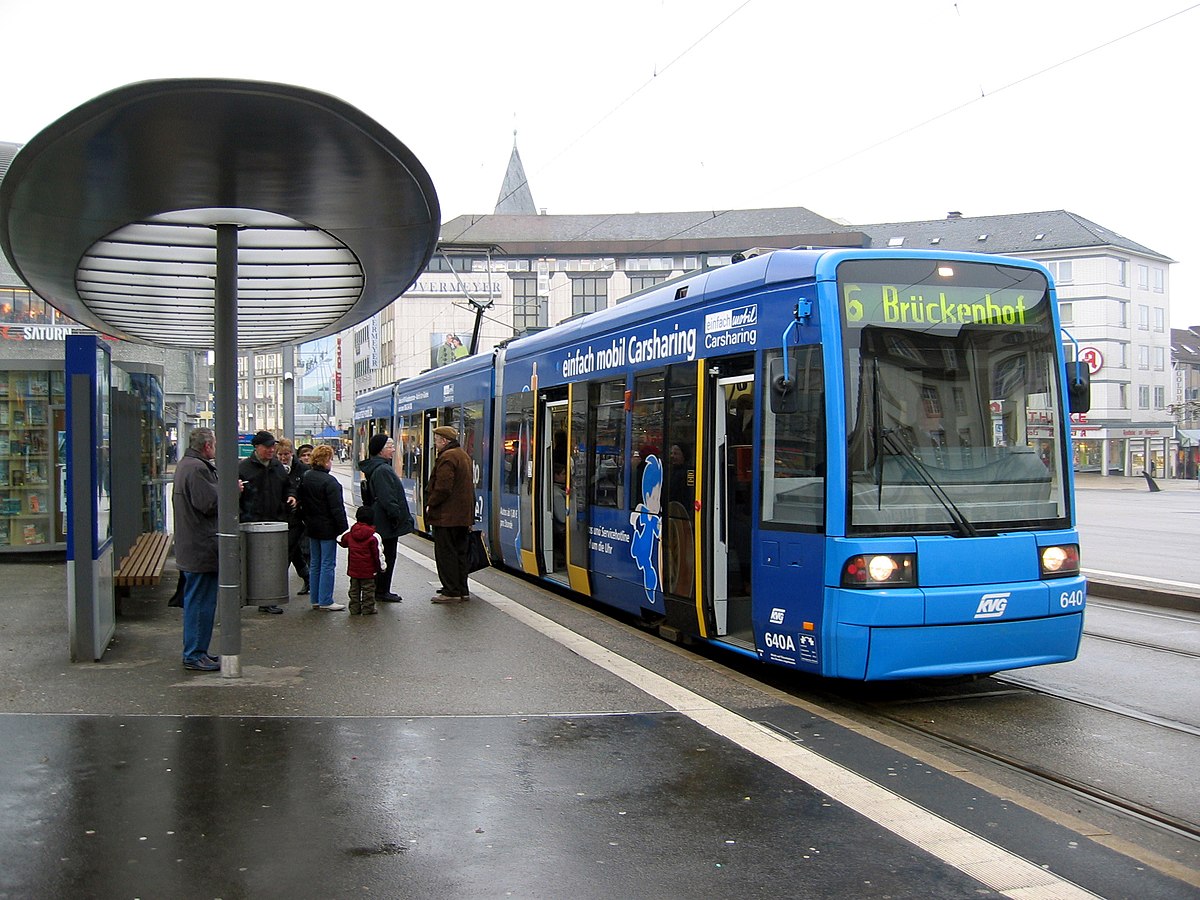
column 608, row 115
column 948, row 112
column 716, row 214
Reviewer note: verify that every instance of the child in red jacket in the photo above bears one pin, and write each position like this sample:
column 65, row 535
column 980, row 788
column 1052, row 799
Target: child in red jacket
column 363, row 561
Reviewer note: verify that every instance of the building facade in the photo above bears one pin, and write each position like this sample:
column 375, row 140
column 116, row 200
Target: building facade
column 519, row 270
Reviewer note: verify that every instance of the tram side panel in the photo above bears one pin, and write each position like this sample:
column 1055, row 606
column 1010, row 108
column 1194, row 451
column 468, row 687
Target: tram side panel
column 459, row 395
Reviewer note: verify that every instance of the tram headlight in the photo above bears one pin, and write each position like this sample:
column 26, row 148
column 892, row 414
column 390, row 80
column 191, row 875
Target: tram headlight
column 1060, row 561
column 880, row 570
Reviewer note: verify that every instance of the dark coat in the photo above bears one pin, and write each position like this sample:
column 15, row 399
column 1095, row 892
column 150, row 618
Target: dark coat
column 323, row 506
column 392, row 516
column 264, row 496
column 295, row 517
column 194, row 501
column 450, row 495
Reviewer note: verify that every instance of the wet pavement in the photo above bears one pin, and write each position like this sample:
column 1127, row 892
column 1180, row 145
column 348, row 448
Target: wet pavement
column 451, row 751
column 599, row 806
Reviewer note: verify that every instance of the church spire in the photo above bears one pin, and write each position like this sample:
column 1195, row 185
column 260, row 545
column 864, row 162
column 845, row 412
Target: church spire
column 515, row 197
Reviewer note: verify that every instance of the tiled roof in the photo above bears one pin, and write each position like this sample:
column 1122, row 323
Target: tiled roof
column 733, row 229
column 1185, row 345
column 1053, row 230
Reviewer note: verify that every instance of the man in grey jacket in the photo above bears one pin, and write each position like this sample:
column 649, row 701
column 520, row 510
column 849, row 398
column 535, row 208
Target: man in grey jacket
column 194, row 500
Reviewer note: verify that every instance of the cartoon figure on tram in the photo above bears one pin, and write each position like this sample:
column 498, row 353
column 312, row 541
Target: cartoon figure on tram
column 646, row 520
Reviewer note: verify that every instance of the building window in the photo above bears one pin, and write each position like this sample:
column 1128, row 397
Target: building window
column 1122, row 396
column 1122, row 360
column 1066, row 313
column 1160, row 358
column 1144, row 277
column 1160, row 319
column 588, row 294
column 1143, row 396
column 1060, row 270
column 1122, row 313
column 1160, row 281
column 1143, row 356
column 528, row 310
column 1143, row 318
column 1123, row 272
column 641, row 282
column 1160, row 398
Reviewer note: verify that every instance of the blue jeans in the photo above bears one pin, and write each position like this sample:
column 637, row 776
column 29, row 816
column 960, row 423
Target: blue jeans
column 322, row 563
column 199, row 610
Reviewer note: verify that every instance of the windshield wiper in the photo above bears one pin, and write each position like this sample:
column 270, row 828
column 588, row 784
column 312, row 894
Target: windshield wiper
column 897, row 447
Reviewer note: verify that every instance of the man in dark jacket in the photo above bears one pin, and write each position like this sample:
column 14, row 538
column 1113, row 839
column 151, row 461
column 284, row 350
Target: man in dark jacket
column 450, row 511
column 267, row 495
column 194, row 501
column 383, row 491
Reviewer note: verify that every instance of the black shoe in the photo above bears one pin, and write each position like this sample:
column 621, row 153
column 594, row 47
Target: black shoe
column 388, row 598
column 202, row 664
column 271, row 610
column 303, row 590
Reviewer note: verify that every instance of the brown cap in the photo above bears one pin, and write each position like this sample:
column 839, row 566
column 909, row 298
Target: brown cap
column 450, row 434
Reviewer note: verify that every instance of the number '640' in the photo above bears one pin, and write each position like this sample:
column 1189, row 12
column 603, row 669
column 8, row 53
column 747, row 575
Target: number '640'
column 1067, row 599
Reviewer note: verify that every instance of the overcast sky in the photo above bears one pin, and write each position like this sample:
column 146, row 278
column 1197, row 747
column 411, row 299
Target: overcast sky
column 870, row 111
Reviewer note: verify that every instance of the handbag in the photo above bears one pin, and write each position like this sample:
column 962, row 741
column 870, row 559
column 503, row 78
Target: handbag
column 477, row 555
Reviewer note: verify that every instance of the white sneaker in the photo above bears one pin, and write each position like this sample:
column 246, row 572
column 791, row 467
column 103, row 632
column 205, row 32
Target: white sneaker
column 333, row 607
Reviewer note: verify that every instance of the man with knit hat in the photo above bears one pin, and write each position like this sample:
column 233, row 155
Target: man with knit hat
column 450, row 511
column 384, row 493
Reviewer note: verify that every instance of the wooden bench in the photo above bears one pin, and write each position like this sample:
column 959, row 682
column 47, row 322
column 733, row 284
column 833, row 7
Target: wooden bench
column 144, row 563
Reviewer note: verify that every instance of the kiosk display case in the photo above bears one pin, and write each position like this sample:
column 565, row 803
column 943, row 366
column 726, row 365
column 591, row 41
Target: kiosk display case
column 31, row 462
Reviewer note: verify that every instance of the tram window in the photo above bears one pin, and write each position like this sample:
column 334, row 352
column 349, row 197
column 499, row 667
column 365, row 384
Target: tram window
column 793, row 463
column 517, row 477
column 647, row 427
column 470, row 426
column 609, row 446
column 409, row 438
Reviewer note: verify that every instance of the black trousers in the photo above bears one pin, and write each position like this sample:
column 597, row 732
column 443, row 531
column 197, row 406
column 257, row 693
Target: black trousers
column 383, row 581
column 450, row 554
column 298, row 549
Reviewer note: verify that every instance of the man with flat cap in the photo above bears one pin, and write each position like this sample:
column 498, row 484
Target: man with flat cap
column 383, row 491
column 450, row 511
column 267, row 493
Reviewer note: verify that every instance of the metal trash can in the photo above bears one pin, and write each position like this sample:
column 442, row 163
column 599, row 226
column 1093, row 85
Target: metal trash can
column 264, row 563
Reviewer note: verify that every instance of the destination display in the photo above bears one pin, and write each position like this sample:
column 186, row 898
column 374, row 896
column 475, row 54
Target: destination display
column 941, row 306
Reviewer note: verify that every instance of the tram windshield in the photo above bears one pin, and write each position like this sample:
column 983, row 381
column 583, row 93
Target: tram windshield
column 954, row 414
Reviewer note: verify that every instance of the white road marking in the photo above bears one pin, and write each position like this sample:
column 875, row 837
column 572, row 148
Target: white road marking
column 982, row 860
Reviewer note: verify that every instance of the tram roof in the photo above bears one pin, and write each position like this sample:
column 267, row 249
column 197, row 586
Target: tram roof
column 109, row 212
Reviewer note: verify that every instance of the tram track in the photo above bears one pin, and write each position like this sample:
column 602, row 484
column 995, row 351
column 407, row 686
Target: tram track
column 1141, row 645
column 1107, row 799
column 1115, row 708
column 883, row 715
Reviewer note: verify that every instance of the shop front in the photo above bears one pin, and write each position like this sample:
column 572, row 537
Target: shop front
column 1117, row 450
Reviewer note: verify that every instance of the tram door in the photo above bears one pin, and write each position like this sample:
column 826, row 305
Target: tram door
column 554, row 456
column 733, row 464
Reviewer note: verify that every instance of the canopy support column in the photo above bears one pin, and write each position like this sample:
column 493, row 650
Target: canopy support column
column 225, row 355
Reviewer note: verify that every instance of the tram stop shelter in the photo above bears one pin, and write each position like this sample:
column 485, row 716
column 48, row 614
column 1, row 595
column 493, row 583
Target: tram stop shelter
column 218, row 215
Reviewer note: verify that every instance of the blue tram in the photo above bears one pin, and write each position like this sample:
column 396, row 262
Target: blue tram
column 852, row 463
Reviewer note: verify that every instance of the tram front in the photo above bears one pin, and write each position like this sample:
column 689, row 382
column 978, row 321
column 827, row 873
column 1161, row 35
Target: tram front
column 957, row 488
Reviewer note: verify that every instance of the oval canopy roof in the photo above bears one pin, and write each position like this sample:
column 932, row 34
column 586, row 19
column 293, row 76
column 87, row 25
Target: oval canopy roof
column 108, row 213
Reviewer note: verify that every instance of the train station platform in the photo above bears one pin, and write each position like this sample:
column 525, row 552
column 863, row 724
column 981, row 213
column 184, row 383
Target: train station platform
column 518, row 745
